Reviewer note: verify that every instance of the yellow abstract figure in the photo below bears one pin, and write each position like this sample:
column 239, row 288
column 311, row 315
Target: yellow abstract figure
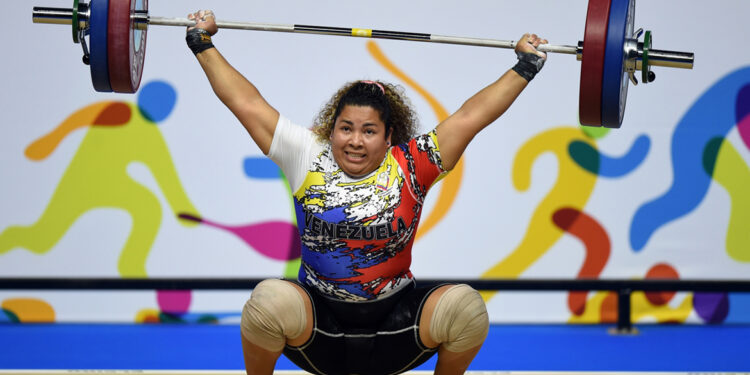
column 733, row 174
column 572, row 189
column 118, row 135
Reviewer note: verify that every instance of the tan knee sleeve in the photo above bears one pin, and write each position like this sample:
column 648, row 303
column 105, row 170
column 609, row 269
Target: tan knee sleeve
column 460, row 321
column 274, row 312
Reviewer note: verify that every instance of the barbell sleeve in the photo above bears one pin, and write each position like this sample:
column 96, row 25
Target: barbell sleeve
column 669, row 59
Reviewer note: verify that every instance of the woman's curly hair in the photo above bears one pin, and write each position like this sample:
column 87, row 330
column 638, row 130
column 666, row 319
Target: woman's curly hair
column 388, row 99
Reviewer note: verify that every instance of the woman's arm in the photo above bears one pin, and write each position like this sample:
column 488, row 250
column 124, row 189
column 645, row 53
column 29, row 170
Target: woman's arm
column 455, row 132
column 234, row 90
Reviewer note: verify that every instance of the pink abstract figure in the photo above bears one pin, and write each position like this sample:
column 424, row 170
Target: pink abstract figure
column 275, row 239
column 174, row 301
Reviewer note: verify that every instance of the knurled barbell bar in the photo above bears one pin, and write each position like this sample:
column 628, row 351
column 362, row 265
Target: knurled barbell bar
column 117, row 36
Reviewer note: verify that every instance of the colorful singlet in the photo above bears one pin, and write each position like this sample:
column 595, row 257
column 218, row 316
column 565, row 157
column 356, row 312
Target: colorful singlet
column 357, row 233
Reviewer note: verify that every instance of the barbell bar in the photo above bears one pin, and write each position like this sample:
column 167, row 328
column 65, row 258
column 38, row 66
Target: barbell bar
column 117, row 32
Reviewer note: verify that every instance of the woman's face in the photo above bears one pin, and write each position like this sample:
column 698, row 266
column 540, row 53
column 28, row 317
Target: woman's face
column 359, row 140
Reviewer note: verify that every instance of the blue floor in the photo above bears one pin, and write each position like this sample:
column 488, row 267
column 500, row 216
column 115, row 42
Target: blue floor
column 684, row 348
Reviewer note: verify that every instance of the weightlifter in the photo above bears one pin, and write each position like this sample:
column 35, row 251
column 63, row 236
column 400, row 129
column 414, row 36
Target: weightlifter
column 359, row 179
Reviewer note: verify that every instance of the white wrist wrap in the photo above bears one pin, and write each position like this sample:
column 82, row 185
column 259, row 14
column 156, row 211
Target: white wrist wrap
column 460, row 321
column 274, row 313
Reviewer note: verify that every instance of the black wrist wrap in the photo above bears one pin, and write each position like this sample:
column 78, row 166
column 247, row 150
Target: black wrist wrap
column 528, row 65
column 198, row 40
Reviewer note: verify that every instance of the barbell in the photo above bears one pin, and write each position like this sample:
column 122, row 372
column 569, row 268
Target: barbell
column 614, row 54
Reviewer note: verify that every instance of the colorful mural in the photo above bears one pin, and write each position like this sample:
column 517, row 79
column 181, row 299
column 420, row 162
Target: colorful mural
column 689, row 173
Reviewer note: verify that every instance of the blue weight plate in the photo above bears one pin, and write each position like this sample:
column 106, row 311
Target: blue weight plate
column 615, row 78
column 98, row 17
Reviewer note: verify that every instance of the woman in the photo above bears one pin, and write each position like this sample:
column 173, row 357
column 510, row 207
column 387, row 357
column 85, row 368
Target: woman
column 359, row 179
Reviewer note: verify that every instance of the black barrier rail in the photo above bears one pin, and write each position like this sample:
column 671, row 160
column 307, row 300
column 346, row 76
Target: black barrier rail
column 623, row 288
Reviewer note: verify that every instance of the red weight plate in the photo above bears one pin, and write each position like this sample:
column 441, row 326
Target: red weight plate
column 592, row 63
column 138, row 57
column 126, row 45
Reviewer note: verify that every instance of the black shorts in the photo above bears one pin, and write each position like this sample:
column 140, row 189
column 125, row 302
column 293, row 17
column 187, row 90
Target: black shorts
column 379, row 337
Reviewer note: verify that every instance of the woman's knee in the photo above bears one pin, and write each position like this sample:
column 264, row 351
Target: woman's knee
column 459, row 320
column 275, row 313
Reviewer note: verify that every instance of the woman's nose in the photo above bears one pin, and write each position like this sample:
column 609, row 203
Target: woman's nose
column 356, row 139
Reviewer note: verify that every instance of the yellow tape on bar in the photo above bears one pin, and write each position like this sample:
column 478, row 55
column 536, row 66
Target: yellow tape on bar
column 362, row 32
